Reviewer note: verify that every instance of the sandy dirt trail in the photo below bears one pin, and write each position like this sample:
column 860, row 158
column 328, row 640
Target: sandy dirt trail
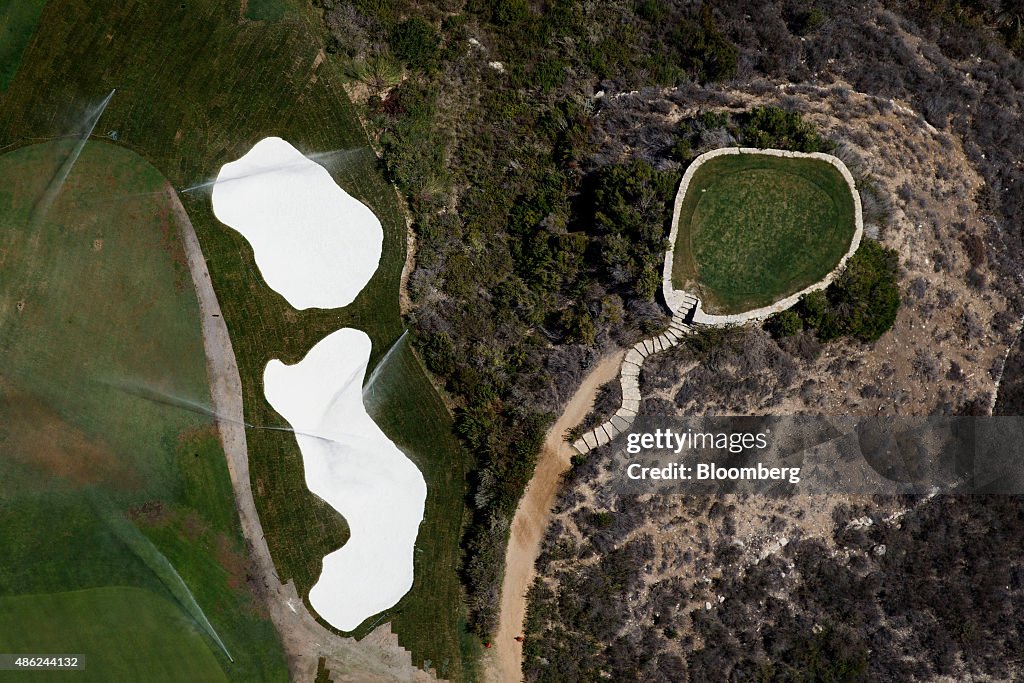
column 504, row 659
column 376, row 658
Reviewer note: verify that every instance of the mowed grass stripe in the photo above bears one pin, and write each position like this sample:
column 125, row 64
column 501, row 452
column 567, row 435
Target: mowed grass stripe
column 754, row 229
column 18, row 20
column 127, row 634
column 105, row 307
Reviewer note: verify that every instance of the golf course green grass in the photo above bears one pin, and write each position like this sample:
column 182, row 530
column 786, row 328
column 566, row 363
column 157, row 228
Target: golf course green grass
column 123, row 634
column 266, row 10
column 18, row 20
column 755, row 228
column 196, row 88
column 108, row 477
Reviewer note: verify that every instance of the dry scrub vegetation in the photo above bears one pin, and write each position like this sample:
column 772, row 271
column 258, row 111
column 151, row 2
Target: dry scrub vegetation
column 537, row 145
column 835, row 588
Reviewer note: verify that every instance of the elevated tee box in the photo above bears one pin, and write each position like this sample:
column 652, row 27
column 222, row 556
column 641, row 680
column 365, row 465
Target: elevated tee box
column 754, row 227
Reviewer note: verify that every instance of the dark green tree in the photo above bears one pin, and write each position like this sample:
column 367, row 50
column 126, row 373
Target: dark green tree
column 772, row 127
column 861, row 302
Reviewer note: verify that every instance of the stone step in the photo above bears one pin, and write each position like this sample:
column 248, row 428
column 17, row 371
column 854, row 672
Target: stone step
column 620, row 423
column 590, row 440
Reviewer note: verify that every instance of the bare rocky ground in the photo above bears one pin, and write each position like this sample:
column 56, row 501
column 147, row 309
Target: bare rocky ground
column 533, row 515
column 672, row 588
column 921, row 200
column 682, row 568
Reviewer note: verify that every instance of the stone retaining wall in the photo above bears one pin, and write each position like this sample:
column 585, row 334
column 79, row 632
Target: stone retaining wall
column 686, row 306
column 678, row 300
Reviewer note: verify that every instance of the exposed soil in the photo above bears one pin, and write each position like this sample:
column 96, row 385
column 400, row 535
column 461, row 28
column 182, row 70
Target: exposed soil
column 504, row 663
column 939, row 356
column 947, row 325
column 404, row 300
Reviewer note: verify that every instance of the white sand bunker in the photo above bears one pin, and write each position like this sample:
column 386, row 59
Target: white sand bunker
column 358, row 471
column 314, row 244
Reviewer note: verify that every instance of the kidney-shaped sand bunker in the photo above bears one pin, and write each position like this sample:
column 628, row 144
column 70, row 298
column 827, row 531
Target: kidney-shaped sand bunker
column 313, row 243
column 357, row 470
column 318, row 247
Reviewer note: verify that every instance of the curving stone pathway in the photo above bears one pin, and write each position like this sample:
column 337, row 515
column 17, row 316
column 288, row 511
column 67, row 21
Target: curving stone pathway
column 686, row 307
column 686, row 314
column 629, row 377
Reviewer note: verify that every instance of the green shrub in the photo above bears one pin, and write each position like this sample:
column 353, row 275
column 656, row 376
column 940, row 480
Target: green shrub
column 772, row 127
column 806, row 20
column 416, row 43
column 509, row 12
column 784, row 324
column 705, row 51
column 861, row 302
column 631, row 210
column 549, row 74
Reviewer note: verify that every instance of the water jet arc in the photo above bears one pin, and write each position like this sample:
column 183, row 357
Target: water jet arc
column 42, row 207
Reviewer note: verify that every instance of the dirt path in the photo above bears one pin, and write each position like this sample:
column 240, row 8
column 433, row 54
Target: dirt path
column 504, row 663
column 378, row 656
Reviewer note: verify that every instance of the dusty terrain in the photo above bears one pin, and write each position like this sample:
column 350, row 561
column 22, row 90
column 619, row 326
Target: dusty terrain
column 948, row 329
column 945, row 351
column 923, row 200
column 504, row 660
column 378, row 657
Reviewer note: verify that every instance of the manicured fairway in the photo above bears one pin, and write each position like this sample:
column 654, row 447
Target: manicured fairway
column 265, row 10
column 197, row 88
column 97, row 305
column 124, row 634
column 108, row 474
column 754, row 229
column 18, row 20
